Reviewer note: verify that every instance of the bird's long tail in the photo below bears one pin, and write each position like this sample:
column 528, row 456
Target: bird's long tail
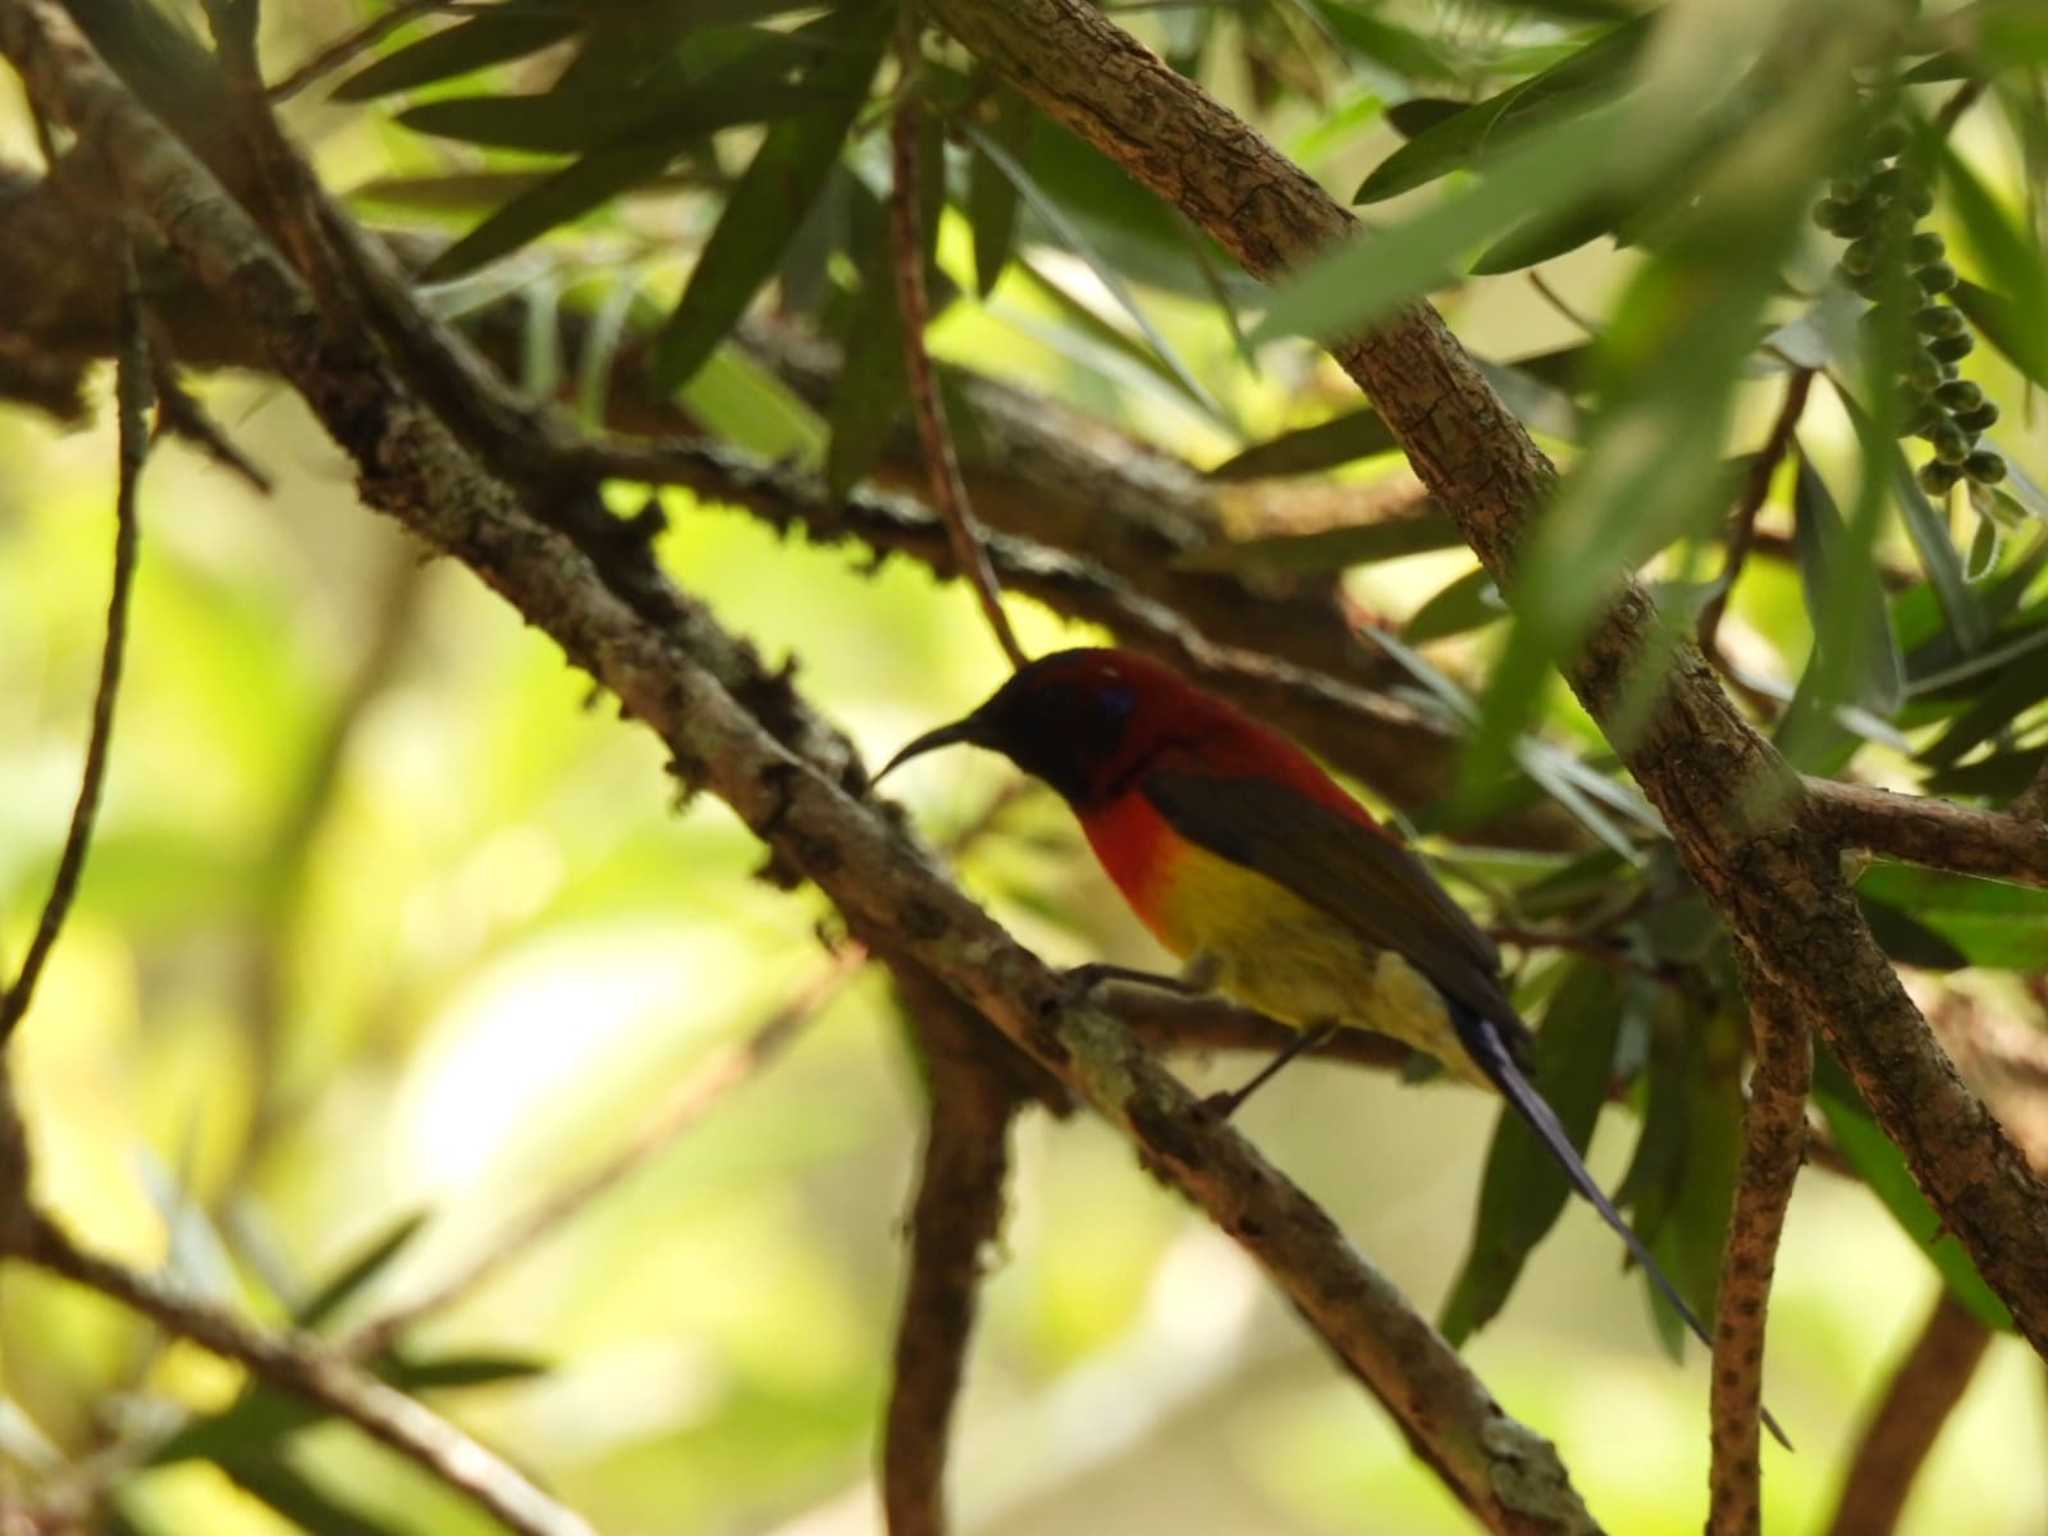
column 1485, row 1044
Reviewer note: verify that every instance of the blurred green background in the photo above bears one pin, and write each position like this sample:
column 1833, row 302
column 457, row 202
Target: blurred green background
column 387, row 918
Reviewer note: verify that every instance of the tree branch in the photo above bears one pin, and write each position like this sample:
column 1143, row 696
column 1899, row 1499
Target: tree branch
column 1922, row 829
column 1731, row 803
column 1917, row 1402
column 1774, row 1145
column 948, row 494
column 959, row 1208
column 132, row 391
column 302, row 1367
column 676, row 671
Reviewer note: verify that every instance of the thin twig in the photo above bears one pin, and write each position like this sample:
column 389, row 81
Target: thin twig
column 958, row 1211
column 703, row 1089
column 1925, row 829
column 706, row 1087
column 132, row 399
column 1774, row 1143
column 1960, row 101
column 949, row 491
column 1756, row 487
column 1592, row 946
column 1917, row 1402
column 1560, row 303
column 351, row 45
column 182, row 416
column 306, row 1369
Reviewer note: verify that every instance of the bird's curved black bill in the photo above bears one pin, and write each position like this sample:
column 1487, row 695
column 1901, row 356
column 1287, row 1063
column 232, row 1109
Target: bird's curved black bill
column 968, row 732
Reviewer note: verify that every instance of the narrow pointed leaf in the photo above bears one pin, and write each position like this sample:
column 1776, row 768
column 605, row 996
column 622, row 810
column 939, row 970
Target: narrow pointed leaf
column 1310, row 450
column 1469, row 603
column 511, row 33
column 1871, row 1153
column 1595, row 73
column 358, row 1272
column 763, row 213
column 992, row 195
column 1524, row 1192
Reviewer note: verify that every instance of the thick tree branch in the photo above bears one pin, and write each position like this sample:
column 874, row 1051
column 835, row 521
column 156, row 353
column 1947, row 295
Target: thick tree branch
column 1774, row 1145
column 133, row 385
column 1732, row 804
column 700, row 691
column 1917, row 1402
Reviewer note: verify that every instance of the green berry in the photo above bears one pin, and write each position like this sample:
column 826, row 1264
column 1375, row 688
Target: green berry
column 1937, row 478
column 1920, row 420
column 1918, row 198
column 1923, row 373
column 1960, row 396
column 1980, row 419
column 1885, row 184
column 1936, row 277
column 1985, row 466
column 1860, row 259
column 1951, row 349
column 1870, row 284
column 1951, row 445
column 1845, row 191
column 1924, row 248
column 1890, row 139
column 1938, row 320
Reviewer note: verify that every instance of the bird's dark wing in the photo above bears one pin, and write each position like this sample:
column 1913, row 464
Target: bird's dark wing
column 1354, row 872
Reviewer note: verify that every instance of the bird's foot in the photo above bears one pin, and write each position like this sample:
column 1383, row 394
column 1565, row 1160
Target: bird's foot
column 1084, row 980
column 1221, row 1106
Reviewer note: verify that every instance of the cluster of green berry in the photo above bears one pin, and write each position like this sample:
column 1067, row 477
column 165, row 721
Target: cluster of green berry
column 1876, row 214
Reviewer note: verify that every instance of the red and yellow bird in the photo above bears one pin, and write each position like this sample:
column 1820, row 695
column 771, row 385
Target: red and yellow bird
column 1255, row 867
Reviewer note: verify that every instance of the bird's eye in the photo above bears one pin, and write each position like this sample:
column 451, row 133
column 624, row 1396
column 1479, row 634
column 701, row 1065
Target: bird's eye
column 1116, row 702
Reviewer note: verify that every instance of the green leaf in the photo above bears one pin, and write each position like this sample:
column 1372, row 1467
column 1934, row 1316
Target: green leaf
column 1692, row 1225
column 1998, row 777
column 768, row 205
column 2007, row 253
column 1418, row 114
column 1310, row 450
column 1997, row 926
column 568, row 194
column 556, row 123
column 1856, row 659
column 1070, row 234
column 1909, row 941
column 873, row 387
column 1593, row 75
column 991, row 195
column 1927, row 528
column 448, row 1373
column 1551, row 233
column 511, row 32
column 2012, row 692
column 1376, row 270
column 299, row 1499
column 1883, row 1168
column 1403, row 53
column 359, row 1271
column 1997, row 319
column 1469, row 603
column 250, row 1425
column 1330, row 549
column 1524, row 1190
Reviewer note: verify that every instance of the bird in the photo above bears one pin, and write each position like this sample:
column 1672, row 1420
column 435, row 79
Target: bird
column 1269, row 880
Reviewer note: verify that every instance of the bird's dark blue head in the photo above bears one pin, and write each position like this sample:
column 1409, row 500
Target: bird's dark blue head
column 1071, row 719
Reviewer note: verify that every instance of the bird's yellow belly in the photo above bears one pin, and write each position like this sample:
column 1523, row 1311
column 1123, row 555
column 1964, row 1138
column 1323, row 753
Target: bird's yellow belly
column 1271, row 950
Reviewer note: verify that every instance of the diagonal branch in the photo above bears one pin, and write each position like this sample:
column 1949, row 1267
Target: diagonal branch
column 1917, row 1402
column 677, row 672
column 1732, row 804
column 133, row 387
column 304, row 1368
